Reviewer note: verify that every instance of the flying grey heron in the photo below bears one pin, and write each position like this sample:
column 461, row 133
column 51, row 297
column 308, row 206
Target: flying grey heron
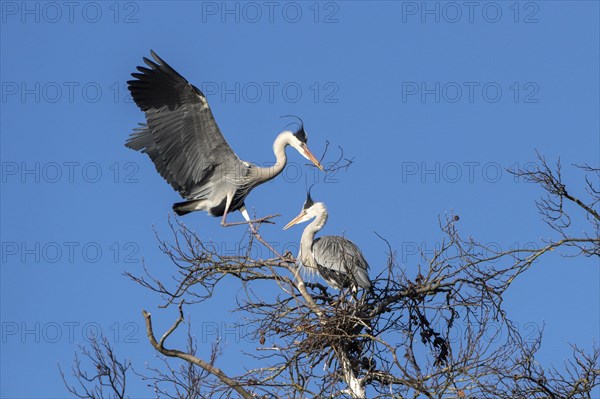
column 338, row 260
column 182, row 139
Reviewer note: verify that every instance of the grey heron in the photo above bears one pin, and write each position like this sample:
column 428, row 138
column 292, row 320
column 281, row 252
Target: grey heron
column 182, row 139
column 338, row 260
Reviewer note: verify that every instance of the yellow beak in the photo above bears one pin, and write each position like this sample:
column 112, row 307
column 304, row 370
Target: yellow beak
column 294, row 221
column 312, row 158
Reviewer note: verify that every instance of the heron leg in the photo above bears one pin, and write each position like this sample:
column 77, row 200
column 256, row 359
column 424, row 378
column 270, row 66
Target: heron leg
column 266, row 219
column 254, row 229
column 244, row 211
column 224, row 219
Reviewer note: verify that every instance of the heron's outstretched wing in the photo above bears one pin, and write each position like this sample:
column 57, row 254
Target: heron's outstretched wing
column 339, row 260
column 181, row 136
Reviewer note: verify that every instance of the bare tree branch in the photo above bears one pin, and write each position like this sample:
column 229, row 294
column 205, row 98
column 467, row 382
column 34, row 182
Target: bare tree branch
column 159, row 346
column 442, row 333
column 108, row 376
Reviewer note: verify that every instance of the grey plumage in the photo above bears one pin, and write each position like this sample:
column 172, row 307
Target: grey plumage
column 181, row 136
column 336, row 259
column 340, row 262
column 182, row 139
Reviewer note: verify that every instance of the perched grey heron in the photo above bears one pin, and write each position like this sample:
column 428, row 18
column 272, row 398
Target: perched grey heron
column 338, row 260
column 182, row 139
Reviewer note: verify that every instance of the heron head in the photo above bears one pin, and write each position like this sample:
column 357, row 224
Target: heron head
column 299, row 141
column 310, row 209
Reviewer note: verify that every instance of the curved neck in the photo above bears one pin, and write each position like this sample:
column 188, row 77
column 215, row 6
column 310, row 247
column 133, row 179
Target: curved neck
column 268, row 173
column 308, row 235
column 314, row 226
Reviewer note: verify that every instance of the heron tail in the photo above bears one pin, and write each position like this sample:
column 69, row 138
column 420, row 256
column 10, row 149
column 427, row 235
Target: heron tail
column 185, row 207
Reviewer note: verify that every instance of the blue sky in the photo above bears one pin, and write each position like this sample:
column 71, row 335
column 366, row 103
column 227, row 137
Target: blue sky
column 432, row 101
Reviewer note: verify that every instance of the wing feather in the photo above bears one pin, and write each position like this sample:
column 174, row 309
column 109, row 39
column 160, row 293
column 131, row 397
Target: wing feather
column 338, row 259
column 181, row 136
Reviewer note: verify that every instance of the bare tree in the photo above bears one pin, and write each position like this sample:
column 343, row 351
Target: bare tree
column 441, row 334
column 559, row 206
column 107, row 378
column 188, row 381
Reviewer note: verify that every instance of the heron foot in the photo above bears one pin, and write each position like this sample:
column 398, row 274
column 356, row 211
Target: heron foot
column 266, row 219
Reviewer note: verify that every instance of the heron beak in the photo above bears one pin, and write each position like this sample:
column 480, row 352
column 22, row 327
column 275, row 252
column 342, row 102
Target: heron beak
column 312, row 158
column 295, row 220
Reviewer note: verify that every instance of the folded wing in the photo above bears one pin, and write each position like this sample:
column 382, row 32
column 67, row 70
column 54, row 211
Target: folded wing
column 341, row 262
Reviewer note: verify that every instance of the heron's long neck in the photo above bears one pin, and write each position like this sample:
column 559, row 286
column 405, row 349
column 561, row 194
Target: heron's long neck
column 308, row 236
column 271, row 172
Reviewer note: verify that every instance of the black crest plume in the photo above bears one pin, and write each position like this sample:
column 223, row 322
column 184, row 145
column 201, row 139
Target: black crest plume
column 309, row 201
column 300, row 133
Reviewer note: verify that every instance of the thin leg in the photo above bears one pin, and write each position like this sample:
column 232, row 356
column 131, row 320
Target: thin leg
column 254, row 230
column 266, row 219
column 224, row 219
column 246, row 216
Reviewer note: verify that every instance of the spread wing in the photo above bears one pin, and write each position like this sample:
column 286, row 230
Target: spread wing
column 181, row 135
column 339, row 260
